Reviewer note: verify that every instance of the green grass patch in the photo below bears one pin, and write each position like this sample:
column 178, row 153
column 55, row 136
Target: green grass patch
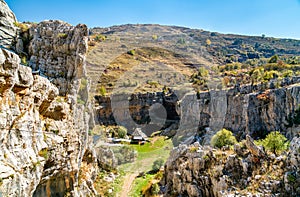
column 147, row 154
column 140, row 184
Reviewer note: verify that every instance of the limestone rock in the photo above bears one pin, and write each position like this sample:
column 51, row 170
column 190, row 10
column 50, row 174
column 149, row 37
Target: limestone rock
column 44, row 138
column 255, row 150
column 8, row 30
column 58, row 51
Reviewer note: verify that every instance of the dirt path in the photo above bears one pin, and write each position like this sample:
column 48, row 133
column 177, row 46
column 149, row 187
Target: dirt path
column 128, row 180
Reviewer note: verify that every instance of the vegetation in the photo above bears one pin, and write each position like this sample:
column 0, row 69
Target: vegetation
column 208, row 42
column 274, row 142
column 99, row 38
column 44, row 153
column 80, row 101
column 274, row 59
column 102, row 91
column 222, row 138
column 181, row 41
column 131, row 52
column 62, row 35
column 83, row 83
column 154, row 37
column 24, row 27
column 157, row 164
column 122, row 132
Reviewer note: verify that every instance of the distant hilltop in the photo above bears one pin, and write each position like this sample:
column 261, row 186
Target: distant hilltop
column 221, row 46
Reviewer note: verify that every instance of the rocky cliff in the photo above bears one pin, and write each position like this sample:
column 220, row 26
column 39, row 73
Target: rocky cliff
column 8, row 30
column 250, row 109
column 45, row 115
column 201, row 171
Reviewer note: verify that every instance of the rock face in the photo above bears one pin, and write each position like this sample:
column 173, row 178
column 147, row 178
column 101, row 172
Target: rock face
column 201, row 171
column 44, row 140
column 8, row 30
column 244, row 110
column 58, row 50
column 136, row 108
column 292, row 176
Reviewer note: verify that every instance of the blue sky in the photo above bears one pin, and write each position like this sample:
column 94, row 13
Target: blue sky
column 276, row 18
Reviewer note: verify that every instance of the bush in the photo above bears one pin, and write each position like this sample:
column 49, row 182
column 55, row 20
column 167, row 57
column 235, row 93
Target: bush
column 44, row 153
column 157, row 164
column 222, row 138
column 62, row 35
column 154, row 37
column 102, row 91
column 155, row 189
column 275, row 142
column 131, row 52
column 83, row 84
column 100, row 38
column 274, row 59
column 203, row 72
column 122, row 132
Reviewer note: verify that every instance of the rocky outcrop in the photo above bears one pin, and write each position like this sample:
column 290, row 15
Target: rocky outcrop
column 58, row 50
column 8, row 30
column 202, row 171
column 292, row 176
column 244, row 110
column 45, row 149
column 130, row 110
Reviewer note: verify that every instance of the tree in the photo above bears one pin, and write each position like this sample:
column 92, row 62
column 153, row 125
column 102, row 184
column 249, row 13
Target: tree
column 275, row 142
column 222, row 138
column 122, row 132
column 157, row 164
column 274, row 59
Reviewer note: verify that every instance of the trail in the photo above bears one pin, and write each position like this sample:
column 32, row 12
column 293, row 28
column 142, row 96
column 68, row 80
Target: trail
column 128, row 180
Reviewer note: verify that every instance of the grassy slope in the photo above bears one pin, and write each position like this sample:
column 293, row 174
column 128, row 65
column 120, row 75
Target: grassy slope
column 147, row 154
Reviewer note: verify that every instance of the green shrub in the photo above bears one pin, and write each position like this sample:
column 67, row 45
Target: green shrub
column 24, row 27
column 83, row 83
column 257, row 75
column 203, row 72
column 153, row 83
column 155, row 189
column 131, row 52
column 287, row 73
column 222, row 138
column 274, row 59
column 275, row 142
column 154, row 37
column 80, row 101
column 99, row 38
column 102, row 91
column 271, row 75
column 24, row 61
column 157, row 164
column 44, row 153
column 62, row 35
column 181, row 41
column 122, row 132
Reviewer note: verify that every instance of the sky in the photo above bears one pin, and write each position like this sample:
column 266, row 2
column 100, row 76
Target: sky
column 274, row 18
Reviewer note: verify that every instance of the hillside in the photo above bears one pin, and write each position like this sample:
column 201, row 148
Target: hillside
column 117, row 49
